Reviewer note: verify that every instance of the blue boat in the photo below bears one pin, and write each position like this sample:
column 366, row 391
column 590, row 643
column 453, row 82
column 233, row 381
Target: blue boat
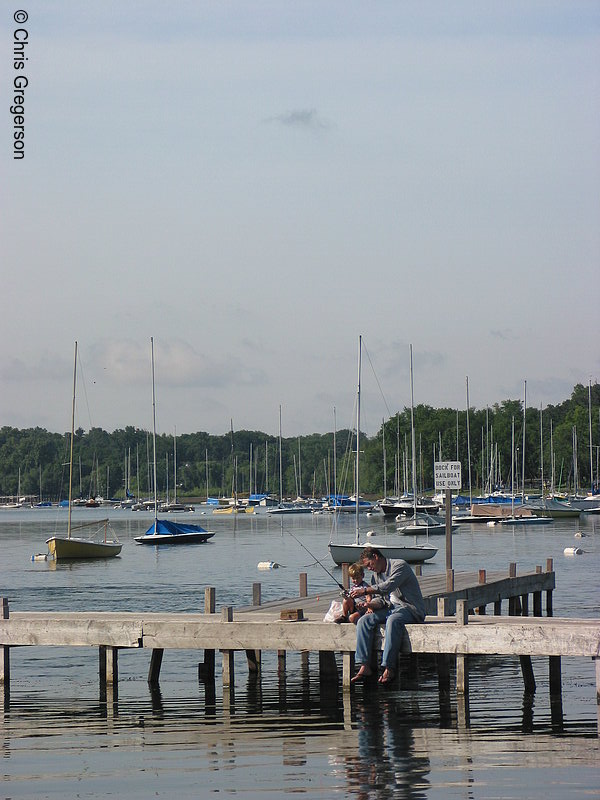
column 163, row 531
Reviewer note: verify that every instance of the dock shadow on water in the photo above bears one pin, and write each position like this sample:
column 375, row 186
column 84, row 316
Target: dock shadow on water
column 274, row 735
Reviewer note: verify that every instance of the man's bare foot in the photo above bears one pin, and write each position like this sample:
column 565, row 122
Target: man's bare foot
column 387, row 676
column 363, row 673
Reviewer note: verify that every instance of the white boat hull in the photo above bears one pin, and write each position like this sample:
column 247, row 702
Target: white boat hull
column 174, row 538
column 73, row 547
column 413, row 554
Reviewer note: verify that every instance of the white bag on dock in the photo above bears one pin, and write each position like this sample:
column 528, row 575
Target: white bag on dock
column 335, row 610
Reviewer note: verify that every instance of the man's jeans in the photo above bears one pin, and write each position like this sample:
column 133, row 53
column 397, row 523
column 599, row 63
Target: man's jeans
column 395, row 620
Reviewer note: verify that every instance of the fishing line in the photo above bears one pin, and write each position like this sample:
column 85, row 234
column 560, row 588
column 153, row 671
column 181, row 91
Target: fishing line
column 312, row 555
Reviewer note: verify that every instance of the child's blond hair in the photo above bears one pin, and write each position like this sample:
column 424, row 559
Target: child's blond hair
column 356, row 570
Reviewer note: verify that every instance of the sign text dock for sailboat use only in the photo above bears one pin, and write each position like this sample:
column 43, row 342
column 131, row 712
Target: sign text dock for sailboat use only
column 447, row 475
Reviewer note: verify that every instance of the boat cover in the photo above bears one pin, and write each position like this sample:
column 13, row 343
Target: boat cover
column 167, row 527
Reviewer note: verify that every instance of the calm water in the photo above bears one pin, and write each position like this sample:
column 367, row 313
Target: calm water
column 272, row 737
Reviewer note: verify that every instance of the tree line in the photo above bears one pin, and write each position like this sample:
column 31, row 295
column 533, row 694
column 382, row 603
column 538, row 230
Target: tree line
column 35, row 462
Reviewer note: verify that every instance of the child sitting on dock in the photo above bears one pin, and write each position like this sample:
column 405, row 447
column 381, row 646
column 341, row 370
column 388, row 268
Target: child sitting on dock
column 354, row 607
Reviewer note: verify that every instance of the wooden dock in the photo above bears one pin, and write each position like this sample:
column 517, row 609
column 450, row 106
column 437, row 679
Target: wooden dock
column 457, row 626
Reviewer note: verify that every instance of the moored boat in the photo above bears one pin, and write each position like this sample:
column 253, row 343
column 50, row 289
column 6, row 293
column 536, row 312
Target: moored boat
column 70, row 547
column 100, row 546
column 164, row 531
column 413, row 554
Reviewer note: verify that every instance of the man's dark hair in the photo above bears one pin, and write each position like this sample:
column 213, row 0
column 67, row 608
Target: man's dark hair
column 371, row 552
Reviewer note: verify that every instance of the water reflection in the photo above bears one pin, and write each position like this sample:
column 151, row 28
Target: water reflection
column 385, row 764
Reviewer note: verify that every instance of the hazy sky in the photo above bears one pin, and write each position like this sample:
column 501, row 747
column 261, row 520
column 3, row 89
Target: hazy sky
column 254, row 184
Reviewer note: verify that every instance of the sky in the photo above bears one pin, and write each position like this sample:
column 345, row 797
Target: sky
column 257, row 183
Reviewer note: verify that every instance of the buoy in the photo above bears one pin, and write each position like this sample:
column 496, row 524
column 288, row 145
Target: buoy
column 491, row 523
column 580, row 535
column 40, row 557
column 370, row 533
column 268, row 565
column 573, row 551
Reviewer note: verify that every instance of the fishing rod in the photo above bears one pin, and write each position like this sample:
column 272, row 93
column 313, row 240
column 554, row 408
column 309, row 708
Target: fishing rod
column 337, row 583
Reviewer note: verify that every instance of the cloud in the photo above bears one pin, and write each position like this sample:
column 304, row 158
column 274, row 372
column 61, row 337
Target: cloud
column 506, row 334
column 177, row 365
column 15, row 370
column 301, row 119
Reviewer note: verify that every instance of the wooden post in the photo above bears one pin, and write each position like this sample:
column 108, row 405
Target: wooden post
column 206, row 668
column 345, row 576
column 549, row 568
column 155, row 665
column 5, row 656
column 462, row 673
column 528, row 676
column 281, row 659
column 228, row 663
column 303, row 584
column 327, row 666
column 304, row 593
column 482, row 580
column 108, row 670
column 112, row 665
column 348, row 669
column 256, row 594
column 418, row 570
column 254, row 656
column 555, row 675
column 449, row 580
column 448, row 515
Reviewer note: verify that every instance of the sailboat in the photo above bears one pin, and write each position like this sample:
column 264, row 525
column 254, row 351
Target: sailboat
column 350, row 553
column 69, row 546
column 525, row 517
column 164, row 531
column 173, row 505
column 420, row 522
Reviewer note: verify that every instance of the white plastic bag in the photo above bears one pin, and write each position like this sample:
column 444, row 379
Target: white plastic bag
column 335, row 611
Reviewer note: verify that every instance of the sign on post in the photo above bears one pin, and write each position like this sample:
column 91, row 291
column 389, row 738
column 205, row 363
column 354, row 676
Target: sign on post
column 447, row 478
column 447, row 475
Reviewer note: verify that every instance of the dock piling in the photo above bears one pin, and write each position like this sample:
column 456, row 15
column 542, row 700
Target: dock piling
column 5, row 656
column 228, row 660
column 206, row 668
column 254, row 656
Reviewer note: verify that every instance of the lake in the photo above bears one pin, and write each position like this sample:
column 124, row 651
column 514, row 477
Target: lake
column 275, row 737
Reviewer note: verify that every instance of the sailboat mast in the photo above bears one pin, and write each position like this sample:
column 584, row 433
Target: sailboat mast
column 356, row 463
column 412, row 437
column 591, row 446
column 154, row 438
column 512, row 467
column 523, row 468
column 175, row 464
column 280, row 462
column 542, row 449
column 72, row 438
column 334, row 459
column 469, row 447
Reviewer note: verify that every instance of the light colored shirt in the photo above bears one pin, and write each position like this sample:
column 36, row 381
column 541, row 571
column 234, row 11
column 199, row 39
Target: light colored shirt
column 399, row 584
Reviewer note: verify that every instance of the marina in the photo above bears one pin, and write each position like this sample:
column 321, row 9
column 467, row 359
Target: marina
column 150, row 690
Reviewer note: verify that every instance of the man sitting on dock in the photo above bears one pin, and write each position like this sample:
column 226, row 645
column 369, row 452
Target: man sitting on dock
column 394, row 580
